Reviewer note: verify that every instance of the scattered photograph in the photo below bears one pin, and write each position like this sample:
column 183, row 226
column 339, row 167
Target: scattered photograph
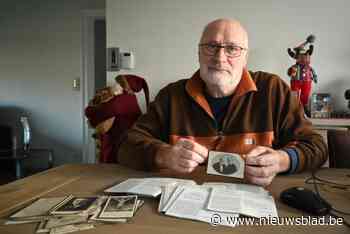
column 58, row 221
column 75, row 205
column 119, row 207
column 39, row 208
column 71, row 228
column 64, row 220
column 96, row 216
column 225, row 164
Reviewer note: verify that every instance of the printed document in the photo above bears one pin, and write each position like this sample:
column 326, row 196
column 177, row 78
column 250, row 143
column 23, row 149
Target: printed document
column 242, row 202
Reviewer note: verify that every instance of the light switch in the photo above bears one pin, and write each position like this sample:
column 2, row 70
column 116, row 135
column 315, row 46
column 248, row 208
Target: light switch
column 113, row 63
column 76, row 84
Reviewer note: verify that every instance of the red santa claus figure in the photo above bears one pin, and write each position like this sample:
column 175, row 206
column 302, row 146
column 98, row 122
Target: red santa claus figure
column 301, row 73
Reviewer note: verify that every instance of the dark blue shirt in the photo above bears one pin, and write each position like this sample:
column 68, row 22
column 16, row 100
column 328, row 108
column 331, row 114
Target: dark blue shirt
column 219, row 108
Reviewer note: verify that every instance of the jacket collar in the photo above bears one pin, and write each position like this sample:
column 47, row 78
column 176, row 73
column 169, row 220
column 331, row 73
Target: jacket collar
column 195, row 87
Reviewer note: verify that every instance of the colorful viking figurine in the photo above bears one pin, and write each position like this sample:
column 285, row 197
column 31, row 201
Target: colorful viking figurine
column 301, row 73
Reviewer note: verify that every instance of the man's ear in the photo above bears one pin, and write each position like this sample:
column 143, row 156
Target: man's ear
column 199, row 54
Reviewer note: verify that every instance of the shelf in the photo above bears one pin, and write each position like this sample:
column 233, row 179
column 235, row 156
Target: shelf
column 330, row 122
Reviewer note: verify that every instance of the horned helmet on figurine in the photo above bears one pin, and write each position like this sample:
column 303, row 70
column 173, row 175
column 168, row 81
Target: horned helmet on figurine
column 300, row 49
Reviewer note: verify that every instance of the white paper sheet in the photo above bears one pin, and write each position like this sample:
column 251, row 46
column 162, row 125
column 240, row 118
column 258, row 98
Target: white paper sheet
column 145, row 186
column 242, row 202
column 190, row 204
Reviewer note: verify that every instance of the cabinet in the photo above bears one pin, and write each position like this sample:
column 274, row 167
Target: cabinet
column 323, row 125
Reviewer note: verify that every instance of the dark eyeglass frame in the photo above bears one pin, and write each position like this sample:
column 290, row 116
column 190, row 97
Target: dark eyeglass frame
column 211, row 49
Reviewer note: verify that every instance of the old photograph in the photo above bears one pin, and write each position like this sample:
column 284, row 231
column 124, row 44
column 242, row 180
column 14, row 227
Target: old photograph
column 75, row 205
column 119, row 206
column 225, row 164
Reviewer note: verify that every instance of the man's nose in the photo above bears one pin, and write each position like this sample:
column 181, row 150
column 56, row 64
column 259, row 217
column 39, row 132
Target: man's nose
column 220, row 54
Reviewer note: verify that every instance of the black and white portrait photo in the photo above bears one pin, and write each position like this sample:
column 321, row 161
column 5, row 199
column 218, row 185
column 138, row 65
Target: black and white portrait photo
column 75, row 205
column 225, row 164
column 119, row 207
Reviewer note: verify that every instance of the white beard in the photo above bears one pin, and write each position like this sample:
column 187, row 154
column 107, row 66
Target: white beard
column 218, row 78
column 221, row 81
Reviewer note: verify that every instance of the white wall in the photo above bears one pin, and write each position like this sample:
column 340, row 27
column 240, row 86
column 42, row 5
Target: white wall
column 40, row 44
column 163, row 34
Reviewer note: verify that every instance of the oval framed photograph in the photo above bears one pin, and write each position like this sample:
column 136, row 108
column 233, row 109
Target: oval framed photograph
column 225, row 164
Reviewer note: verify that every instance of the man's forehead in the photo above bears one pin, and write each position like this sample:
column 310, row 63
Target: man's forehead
column 225, row 31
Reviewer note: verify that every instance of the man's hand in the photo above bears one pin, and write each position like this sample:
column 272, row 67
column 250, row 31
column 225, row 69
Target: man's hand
column 182, row 157
column 263, row 163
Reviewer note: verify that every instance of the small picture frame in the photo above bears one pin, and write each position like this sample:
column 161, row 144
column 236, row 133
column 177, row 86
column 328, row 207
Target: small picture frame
column 321, row 105
column 225, row 164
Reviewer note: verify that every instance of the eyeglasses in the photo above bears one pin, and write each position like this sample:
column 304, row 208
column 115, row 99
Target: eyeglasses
column 230, row 50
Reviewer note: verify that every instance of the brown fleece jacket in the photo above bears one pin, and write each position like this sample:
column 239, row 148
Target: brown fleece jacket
column 262, row 108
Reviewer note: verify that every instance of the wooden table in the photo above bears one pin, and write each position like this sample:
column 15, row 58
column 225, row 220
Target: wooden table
column 81, row 179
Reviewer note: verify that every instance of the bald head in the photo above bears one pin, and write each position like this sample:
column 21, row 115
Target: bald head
column 225, row 31
column 220, row 70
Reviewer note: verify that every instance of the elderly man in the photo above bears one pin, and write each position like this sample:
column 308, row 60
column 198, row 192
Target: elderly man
column 225, row 107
